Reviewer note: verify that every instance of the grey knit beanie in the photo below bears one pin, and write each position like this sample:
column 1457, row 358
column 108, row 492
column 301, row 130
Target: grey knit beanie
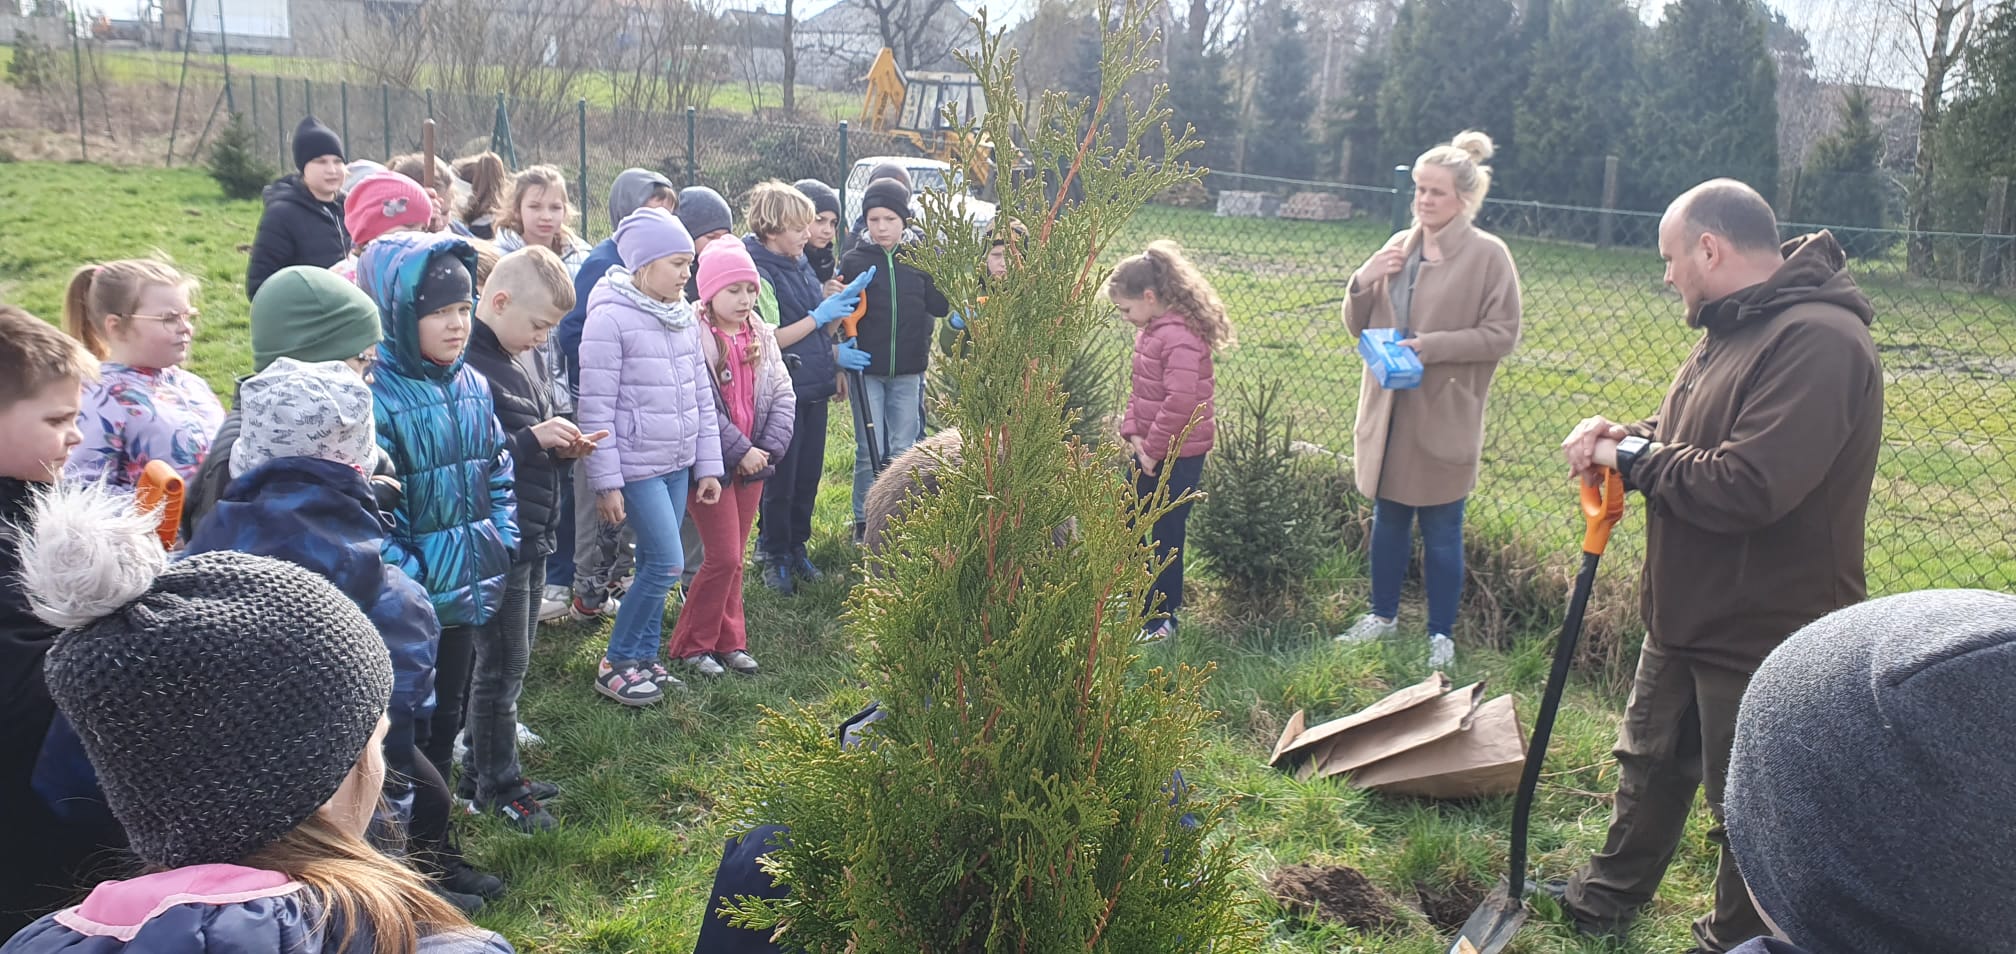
column 703, row 211
column 1873, row 770
column 222, row 699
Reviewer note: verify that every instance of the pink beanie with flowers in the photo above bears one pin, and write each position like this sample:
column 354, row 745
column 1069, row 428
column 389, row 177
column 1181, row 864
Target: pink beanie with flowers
column 384, row 201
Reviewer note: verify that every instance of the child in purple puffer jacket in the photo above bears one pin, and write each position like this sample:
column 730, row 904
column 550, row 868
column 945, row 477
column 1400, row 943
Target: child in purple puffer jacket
column 644, row 379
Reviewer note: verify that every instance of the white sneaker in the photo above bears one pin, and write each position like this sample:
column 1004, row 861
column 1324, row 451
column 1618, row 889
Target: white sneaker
column 1441, row 651
column 555, row 602
column 528, row 738
column 1368, row 628
column 741, row 662
column 704, row 664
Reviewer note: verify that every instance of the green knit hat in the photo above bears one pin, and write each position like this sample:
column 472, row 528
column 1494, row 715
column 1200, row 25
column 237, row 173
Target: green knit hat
column 309, row 314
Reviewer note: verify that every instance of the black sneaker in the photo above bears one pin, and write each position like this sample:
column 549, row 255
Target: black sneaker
column 460, row 877
column 860, row 532
column 469, row 904
column 777, row 576
column 802, row 567
column 524, row 812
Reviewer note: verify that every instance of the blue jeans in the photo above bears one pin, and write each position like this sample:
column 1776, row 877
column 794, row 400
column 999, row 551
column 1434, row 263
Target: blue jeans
column 653, row 509
column 896, row 405
column 1441, row 559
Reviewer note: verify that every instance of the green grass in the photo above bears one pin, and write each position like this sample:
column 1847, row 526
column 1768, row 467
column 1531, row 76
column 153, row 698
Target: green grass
column 631, row 867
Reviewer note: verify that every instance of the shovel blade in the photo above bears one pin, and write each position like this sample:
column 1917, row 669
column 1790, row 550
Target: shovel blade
column 1492, row 926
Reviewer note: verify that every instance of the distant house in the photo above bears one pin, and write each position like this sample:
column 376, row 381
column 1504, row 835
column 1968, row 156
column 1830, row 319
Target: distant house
column 836, row 47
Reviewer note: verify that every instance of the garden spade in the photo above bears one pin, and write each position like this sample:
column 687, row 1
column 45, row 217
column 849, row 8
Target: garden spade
column 1493, row 924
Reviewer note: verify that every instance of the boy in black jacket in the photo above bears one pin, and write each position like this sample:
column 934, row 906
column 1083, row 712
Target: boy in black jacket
column 303, row 221
column 893, row 343
column 42, row 373
column 518, row 308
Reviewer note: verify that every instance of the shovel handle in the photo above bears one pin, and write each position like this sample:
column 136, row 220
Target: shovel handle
column 1602, row 507
column 851, row 324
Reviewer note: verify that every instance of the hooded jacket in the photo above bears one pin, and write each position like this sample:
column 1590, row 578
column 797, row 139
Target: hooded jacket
column 455, row 529
column 776, row 412
column 648, row 385
column 212, row 909
column 798, row 290
column 295, row 229
column 627, row 194
column 524, row 399
column 904, row 305
column 321, row 515
column 1757, row 479
column 1172, row 380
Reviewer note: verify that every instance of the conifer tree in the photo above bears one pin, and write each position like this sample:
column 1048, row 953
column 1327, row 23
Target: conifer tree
column 1283, row 101
column 1839, row 186
column 1710, row 107
column 1025, row 791
column 1453, row 65
column 1581, row 92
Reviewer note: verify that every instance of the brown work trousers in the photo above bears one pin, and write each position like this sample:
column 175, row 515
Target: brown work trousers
column 1678, row 729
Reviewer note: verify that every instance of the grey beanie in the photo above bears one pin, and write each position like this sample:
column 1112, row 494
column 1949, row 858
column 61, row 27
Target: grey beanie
column 702, row 210
column 1874, row 764
column 824, row 199
column 632, row 188
column 222, row 698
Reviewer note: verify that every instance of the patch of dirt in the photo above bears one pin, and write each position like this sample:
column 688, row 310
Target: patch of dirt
column 1449, row 906
column 1336, row 894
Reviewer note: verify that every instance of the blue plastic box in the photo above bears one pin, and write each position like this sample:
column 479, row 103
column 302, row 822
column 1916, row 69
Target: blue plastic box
column 1395, row 368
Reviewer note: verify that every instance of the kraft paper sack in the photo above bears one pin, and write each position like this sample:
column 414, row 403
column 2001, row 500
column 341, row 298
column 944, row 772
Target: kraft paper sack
column 1424, row 740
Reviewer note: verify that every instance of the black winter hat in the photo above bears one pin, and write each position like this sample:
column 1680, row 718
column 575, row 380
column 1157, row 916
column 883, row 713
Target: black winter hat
column 889, row 170
column 1872, row 755
column 222, row 699
column 312, row 141
column 446, row 282
column 824, row 199
column 887, row 194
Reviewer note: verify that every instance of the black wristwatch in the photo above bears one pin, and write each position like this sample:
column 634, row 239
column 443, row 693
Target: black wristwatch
column 1628, row 451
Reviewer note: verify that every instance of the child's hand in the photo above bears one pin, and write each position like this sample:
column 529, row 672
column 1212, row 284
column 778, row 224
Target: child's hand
column 1146, row 461
column 609, row 505
column 583, row 445
column 555, row 433
column 755, row 460
column 851, row 357
column 709, row 491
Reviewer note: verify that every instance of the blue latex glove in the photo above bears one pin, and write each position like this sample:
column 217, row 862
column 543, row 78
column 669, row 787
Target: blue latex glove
column 851, row 357
column 957, row 321
column 841, row 303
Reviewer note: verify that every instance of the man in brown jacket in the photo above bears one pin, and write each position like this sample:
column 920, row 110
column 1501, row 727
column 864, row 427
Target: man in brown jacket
column 1756, row 475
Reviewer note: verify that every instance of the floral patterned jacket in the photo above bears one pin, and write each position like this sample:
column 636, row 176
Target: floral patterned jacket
column 135, row 415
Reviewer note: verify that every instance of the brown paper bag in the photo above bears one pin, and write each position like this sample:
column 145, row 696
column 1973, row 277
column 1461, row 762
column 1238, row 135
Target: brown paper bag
column 1296, row 741
column 1484, row 758
column 1380, row 739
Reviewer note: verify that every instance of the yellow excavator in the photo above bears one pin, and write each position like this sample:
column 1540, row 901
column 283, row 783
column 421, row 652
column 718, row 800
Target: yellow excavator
column 912, row 107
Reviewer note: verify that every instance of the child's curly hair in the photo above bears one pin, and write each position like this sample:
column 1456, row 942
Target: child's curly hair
column 1179, row 287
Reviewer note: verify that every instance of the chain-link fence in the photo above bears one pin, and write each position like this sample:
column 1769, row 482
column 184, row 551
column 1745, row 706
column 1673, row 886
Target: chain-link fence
column 1601, row 333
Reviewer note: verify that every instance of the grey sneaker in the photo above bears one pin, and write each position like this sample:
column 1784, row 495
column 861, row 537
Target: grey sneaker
column 1368, row 628
column 1441, row 650
column 705, row 665
column 628, row 683
column 741, row 662
column 663, row 677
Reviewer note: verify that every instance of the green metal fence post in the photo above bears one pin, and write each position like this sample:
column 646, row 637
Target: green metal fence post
column 385, row 105
column 343, row 96
column 581, row 139
column 1403, row 197
column 307, row 97
column 842, row 181
column 77, row 67
column 224, row 48
column 692, row 170
column 430, row 102
column 500, row 135
column 280, row 117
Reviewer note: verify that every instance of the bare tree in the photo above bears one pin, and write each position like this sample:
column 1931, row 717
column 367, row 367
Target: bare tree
column 480, row 46
column 906, row 25
column 1938, row 32
column 790, row 58
column 388, row 45
column 666, row 62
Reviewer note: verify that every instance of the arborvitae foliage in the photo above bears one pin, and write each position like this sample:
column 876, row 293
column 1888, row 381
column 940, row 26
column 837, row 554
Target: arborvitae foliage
column 1022, row 794
column 1581, row 92
column 1283, row 100
column 237, row 162
column 1453, row 65
column 1270, row 522
column 1711, row 103
column 1840, row 185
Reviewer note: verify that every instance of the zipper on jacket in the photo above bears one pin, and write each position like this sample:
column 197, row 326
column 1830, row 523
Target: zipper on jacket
column 890, row 254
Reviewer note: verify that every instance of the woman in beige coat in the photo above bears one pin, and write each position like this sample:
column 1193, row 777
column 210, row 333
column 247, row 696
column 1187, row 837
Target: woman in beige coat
column 1454, row 293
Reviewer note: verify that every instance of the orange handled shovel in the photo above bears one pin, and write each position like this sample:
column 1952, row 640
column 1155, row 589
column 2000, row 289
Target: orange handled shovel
column 161, row 491
column 1493, row 924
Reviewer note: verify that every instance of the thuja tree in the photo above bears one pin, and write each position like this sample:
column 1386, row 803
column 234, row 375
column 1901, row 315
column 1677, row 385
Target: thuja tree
column 1025, row 792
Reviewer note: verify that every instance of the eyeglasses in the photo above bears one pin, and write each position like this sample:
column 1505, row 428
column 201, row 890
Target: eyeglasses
column 364, row 363
column 187, row 318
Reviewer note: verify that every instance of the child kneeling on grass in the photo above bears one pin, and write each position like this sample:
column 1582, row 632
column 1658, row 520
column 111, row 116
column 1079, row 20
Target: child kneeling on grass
column 644, row 378
column 1179, row 322
column 248, row 798
column 753, row 401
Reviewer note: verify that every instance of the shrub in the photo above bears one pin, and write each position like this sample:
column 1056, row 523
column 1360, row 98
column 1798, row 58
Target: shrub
column 33, row 66
column 236, row 161
column 1269, row 516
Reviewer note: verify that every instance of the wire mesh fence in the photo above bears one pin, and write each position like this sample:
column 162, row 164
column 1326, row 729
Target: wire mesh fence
column 1601, row 333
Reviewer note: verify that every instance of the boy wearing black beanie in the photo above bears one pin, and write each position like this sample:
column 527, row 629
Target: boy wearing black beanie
column 303, row 221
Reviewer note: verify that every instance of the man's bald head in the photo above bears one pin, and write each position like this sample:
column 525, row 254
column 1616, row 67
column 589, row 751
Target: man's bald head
column 1730, row 210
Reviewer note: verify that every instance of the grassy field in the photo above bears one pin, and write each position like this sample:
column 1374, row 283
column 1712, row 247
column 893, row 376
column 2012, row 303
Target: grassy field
column 630, row 869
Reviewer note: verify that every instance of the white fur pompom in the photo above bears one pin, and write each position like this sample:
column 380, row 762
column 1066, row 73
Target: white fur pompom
column 86, row 552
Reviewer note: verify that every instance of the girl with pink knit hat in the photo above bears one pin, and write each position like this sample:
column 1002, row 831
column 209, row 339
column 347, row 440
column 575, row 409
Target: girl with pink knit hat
column 754, row 406
column 382, row 203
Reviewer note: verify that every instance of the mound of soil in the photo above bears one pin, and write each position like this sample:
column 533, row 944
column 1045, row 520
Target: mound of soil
column 1449, row 906
column 1336, row 894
